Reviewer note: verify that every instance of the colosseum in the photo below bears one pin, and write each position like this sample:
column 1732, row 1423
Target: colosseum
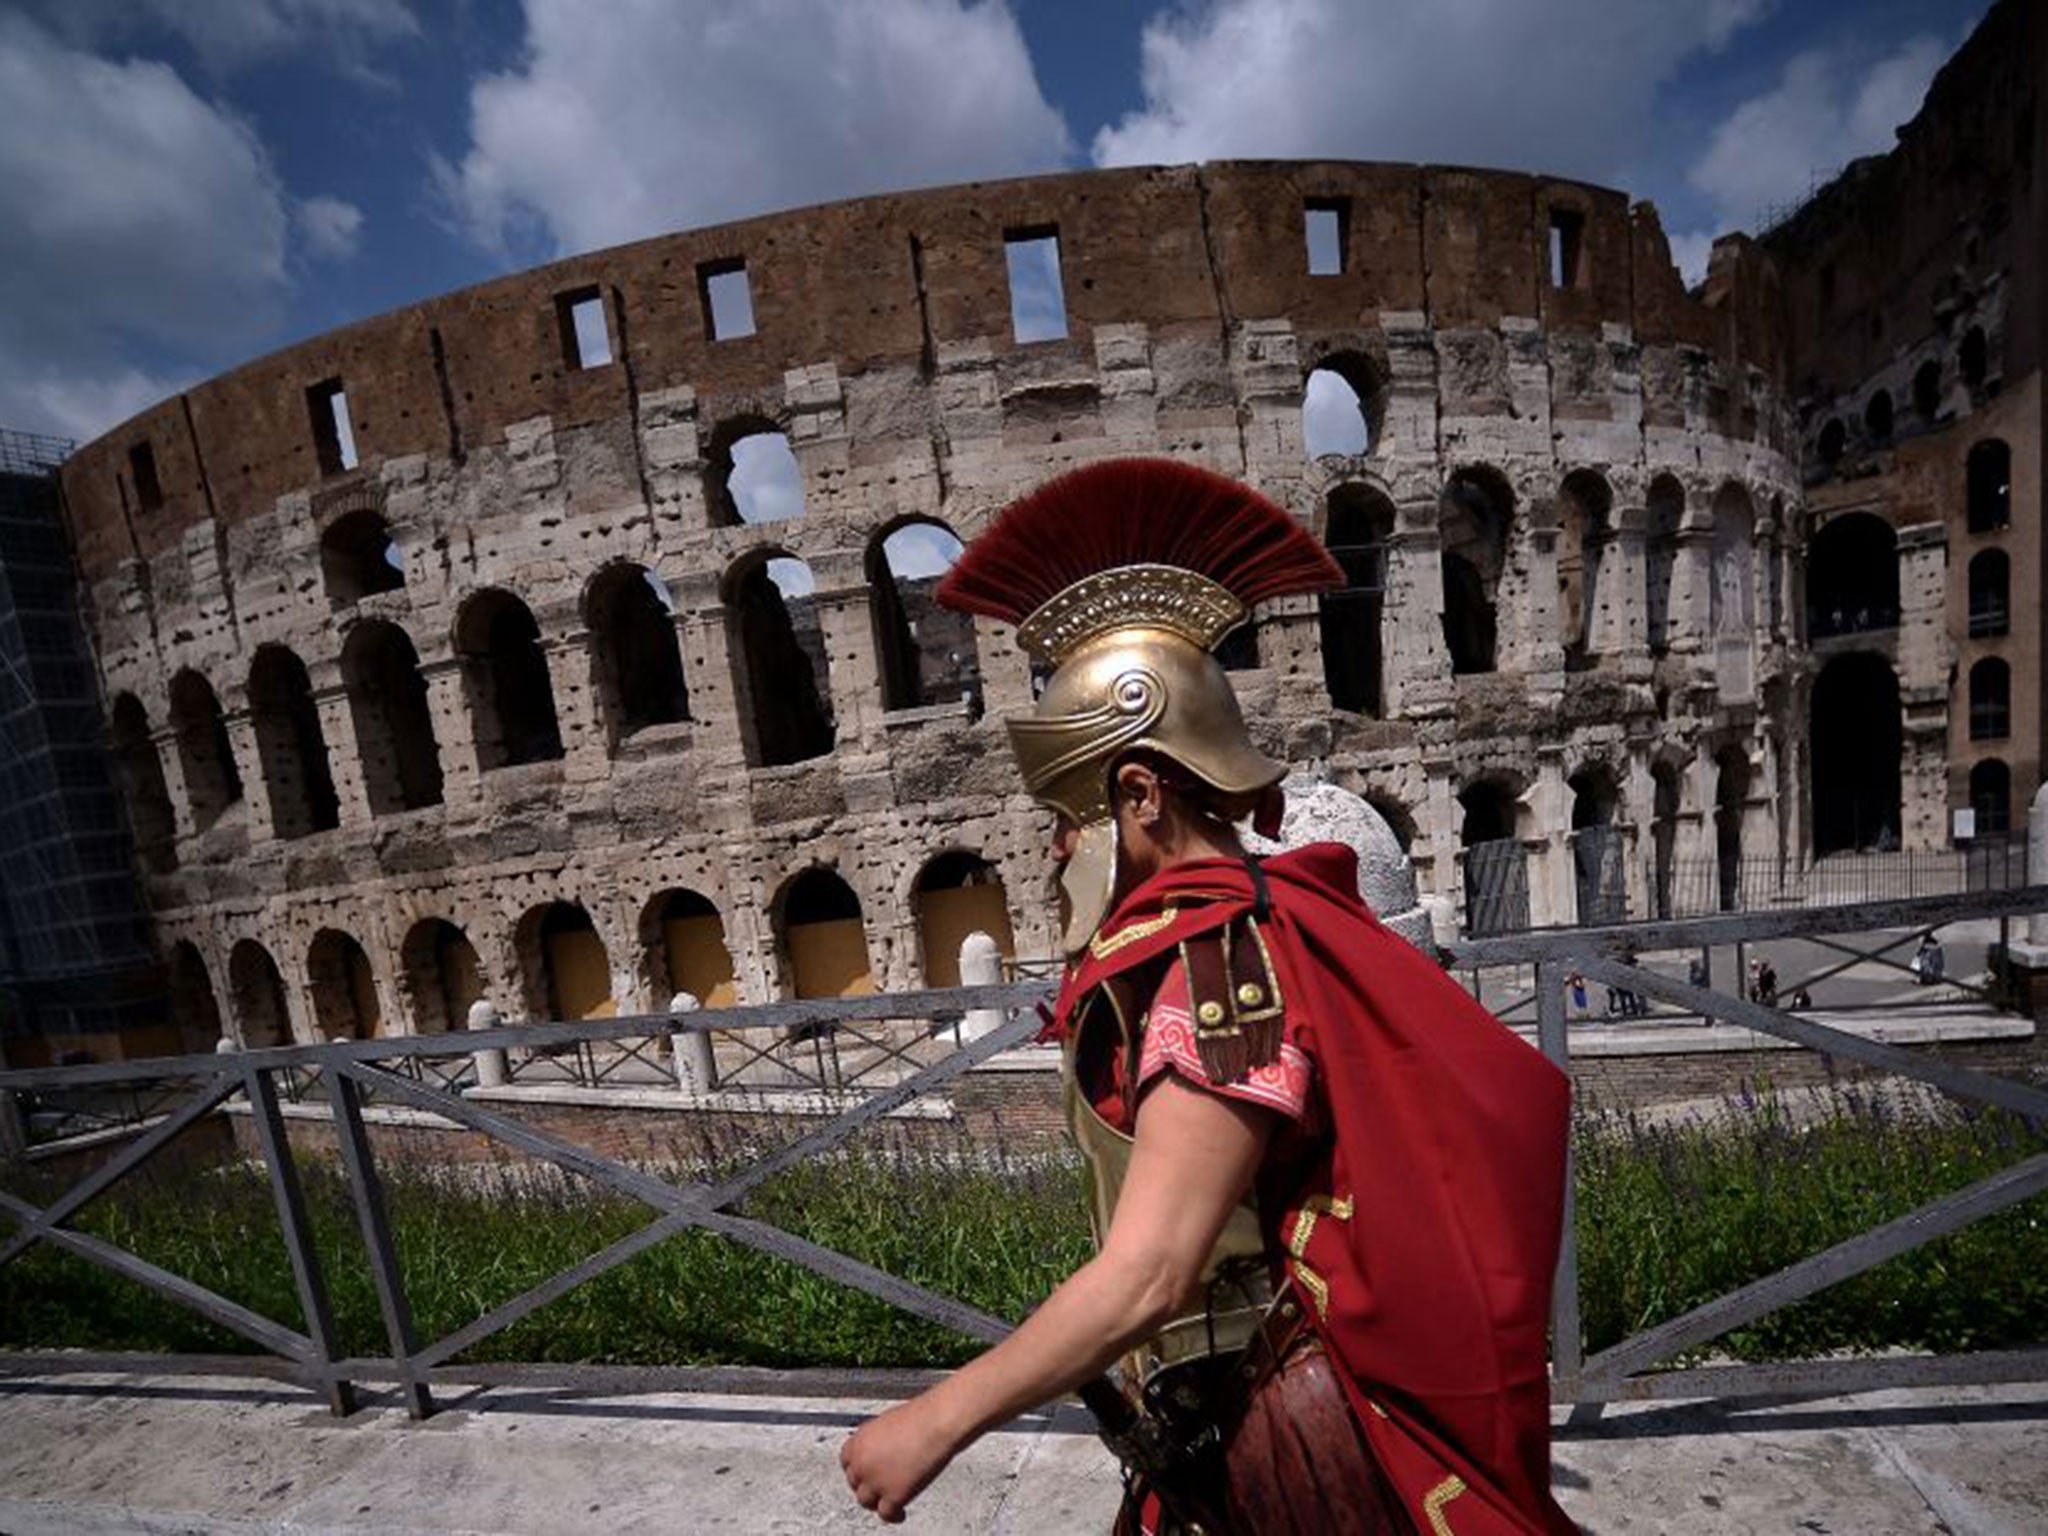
column 566, row 641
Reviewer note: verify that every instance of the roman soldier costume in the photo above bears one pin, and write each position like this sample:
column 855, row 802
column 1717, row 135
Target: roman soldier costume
column 1368, row 1353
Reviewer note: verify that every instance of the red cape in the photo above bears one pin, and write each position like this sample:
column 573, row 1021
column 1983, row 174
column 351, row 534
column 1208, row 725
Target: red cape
column 1450, row 1133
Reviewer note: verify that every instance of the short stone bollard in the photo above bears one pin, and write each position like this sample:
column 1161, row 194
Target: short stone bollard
column 224, row 1047
column 981, row 965
column 696, row 1070
column 491, row 1071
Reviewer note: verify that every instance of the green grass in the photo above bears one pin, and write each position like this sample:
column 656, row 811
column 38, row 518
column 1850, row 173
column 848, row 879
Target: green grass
column 1669, row 1216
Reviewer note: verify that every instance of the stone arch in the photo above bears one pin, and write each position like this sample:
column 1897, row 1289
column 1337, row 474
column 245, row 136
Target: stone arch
column 505, row 678
column 150, row 816
column 359, row 558
column 1852, row 576
column 957, row 893
column 630, row 616
column 1879, row 418
column 751, row 474
column 1858, row 738
column 1341, row 404
column 925, row 654
column 565, row 971
column 822, row 936
column 1991, row 797
column 1496, row 866
column 1598, row 845
column 1357, row 528
column 1990, row 699
column 443, row 975
column 195, row 1010
column 781, row 675
column 684, row 949
column 290, row 745
column 343, row 987
column 212, row 781
column 1585, row 523
column 262, row 1017
column 1990, row 580
column 387, row 699
column 1988, row 485
column 1476, row 512
column 1732, row 777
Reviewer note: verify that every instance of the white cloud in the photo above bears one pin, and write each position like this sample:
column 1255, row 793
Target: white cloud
column 1567, row 87
column 766, row 484
column 135, row 219
column 668, row 116
column 331, row 229
column 1331, row 419
column 228, row 34
column 918, row 550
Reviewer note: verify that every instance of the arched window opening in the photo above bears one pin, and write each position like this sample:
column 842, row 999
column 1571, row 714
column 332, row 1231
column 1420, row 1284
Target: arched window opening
column 1336, row 420
column 142, row 779
column 958, row 894
column 751, row 475
column 387, row 699
column 823, row 940
column 1360, row 526
column 1731, row 805
column 1496, row 865
column 1989, row 485
column 212, row 782
column 1927, row 390
column 1663, row 838
column 505, row 676
column 1991, row 797
column 631, row 619
column 1990, row 584
column 291, row 745
column 443, row 975
column 358, row 557
column 195, row 1013
column 1664, row 509
column 257, row 992
column 682, row 937
column 1852, row 577
column 1477, row 511
column 926, row 653
column 1832, row 443
column 1857, row 738
column 343, row 988
column 1599, row 861
column 564, row 969
column 1990, row 700
column 1973, row 357
column 1585, row 510
column 778, row 648
column 1877, row 417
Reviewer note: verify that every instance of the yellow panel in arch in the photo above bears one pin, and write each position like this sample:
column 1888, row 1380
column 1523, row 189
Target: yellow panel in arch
column 582, row 975
column 831, row 959
column 946, row 917
column 698, row 961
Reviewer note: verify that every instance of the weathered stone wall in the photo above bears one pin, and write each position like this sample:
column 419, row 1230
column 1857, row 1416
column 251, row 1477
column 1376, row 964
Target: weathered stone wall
column 883, row 349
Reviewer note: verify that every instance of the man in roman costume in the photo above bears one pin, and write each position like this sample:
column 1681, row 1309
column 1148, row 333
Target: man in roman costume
column 1326, row 1184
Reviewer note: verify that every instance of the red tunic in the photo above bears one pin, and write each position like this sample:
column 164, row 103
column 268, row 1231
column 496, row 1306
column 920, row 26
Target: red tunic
column 1416, row 1195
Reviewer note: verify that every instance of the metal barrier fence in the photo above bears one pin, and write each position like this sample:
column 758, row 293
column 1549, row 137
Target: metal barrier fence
column 427, row 1072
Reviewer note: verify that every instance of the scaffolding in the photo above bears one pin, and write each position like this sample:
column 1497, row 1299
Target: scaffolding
column 74, row 960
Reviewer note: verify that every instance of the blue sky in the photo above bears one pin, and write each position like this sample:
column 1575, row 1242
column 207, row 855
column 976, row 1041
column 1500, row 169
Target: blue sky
column 185, row 184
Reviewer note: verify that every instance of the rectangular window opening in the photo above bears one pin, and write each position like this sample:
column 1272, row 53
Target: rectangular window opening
column 334, row 437
column 586, row 337
column 149, row 491
column 727, row 297
column 1567, row 241
column 1325, row 222
column 1038, row 304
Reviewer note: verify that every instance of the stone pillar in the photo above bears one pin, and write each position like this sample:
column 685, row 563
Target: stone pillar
column 709, row 667
column 1692, row 578
column 454, row 732
column 981, row 965
column 1532, row 630
column 1129, row 390
column 490, row 1062
column 1620, row 633
column 344, row 752
column 696, row 1069
column 572, row 678
column 1553, row 895
column 164, row 742
column 1415, row 655
column 248, row 752
column 1265, row 365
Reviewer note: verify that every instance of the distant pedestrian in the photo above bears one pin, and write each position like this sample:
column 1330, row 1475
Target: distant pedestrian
column 1929, row 963
column 1696, row 971
column 1767, row 983
column 1575, row 987
column 1801, row 1000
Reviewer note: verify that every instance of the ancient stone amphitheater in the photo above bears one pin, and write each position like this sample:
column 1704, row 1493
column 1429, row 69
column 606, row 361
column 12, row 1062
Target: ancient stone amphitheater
column 481, row 650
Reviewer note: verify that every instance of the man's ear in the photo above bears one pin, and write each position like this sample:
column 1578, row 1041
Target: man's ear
column 1138, row 788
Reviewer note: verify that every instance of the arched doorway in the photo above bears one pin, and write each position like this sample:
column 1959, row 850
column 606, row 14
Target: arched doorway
column 505, row 675
column 1664, row 513
column 257, row 991
column 1496, row 866
column 387, row 699
column 443, row 975
column 958, row 893
column 1360, row 524
column 359, row 558
column 212, row 782
column 1665, row 799
column 925, row 654
column 1731, row 806
column 778, row 648
column 142, row 778
column 1599, row 865
column 1585, row 508
column 684, row 939
column 343, row 988
column 631, row 619
column 564, row 968
column 291, row 744
column 1475, row 519
column 824, row 943
column 1857, row 747
column 195, row 1013
column 1852, row 577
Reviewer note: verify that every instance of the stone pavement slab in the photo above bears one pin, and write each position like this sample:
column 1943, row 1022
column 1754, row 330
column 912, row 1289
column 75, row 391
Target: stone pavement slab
column 94, row 1455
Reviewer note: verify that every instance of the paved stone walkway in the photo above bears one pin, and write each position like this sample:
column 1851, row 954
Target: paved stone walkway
column 90, row 1456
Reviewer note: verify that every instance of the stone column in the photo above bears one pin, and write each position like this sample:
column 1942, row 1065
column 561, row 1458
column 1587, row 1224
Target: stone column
column 981, row 965
column 1531, row 631
column 1621, row 620
column 454, row 733
column 164, row 742
column 572, row 678
column 248, row 753
column 1553, row 895
column 1417, row 660
column 1926, row 656
column 344, row 751
column 491, row 1070
column 696, row 1069
column 1692, row 579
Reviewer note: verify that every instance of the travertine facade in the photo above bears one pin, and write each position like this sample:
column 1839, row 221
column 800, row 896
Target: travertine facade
column 1572, row 537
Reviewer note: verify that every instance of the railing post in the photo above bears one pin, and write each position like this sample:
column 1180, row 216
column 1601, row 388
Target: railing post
column 490, row 1062
column 696, row 1067
column 981, row 965
column 298, row 1237
column 1567, row 1346
column 369, row 1197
